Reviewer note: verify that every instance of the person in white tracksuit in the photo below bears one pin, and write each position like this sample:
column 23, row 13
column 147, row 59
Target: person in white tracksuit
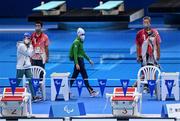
column 24, row 52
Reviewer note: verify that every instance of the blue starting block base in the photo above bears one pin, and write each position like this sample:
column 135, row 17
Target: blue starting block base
column 67, row 110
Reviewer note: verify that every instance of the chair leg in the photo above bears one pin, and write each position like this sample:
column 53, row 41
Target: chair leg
column 176, row 93
column 158, row 91
column 138, row 86
column 41, row 89
column 142, row 88
column 30, row 106
column 44, row 92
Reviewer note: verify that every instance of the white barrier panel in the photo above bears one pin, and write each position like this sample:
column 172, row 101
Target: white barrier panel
column 103, row 119
column 2, row 119
column 173, row 110
column 64, row 86
column 175, row 90
column 151, row 119
column 40, row 119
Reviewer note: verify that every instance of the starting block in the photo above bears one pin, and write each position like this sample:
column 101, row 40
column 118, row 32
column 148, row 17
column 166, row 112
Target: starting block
column 52, row 8
column 111, row 7
column 125, row 105
column 18, row 104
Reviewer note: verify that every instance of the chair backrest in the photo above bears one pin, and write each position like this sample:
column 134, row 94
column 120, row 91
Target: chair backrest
column 36, row 71
column 149, row 73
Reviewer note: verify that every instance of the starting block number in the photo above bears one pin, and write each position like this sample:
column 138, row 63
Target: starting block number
column 13, row 109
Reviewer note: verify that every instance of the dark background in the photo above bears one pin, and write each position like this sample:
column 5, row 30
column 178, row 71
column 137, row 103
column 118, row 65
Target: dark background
column 22, row 8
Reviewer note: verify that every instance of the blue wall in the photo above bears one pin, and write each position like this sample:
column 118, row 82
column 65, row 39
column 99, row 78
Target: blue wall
column 22, row 8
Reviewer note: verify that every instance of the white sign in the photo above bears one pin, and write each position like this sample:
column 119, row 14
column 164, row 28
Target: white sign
column 173, row 110
column 151, row 119
column 103, row 119
column 40, row 119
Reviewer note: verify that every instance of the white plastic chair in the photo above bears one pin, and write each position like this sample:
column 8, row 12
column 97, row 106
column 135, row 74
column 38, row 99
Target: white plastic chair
column 149, row 73
column 36, row 71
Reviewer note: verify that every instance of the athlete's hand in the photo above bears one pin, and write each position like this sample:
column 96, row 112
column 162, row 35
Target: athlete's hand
column 47, row 59
column 158, row 58
column 77, row 67
column 91, row 62
column 139, row 59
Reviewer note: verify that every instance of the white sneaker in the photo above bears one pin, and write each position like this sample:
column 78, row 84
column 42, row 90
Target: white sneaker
column 146, row 90
column 94, row 94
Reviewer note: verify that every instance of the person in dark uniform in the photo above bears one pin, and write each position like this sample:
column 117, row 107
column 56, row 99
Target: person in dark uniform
column 77, row 54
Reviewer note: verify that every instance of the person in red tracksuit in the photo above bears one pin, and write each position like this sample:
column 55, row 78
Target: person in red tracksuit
column 148, row 45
